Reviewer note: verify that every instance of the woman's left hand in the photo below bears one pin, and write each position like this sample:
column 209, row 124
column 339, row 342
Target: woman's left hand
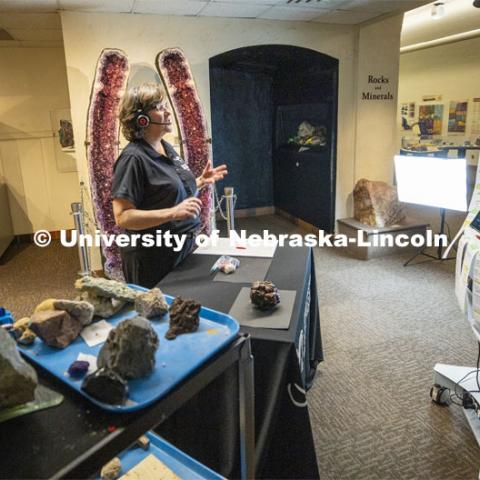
column 211, row 175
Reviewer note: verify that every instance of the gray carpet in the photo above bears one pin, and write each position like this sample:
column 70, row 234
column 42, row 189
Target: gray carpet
column 383, row 326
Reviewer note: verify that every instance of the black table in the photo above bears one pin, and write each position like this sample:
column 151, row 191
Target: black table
column 285, row 365
column 74, row 439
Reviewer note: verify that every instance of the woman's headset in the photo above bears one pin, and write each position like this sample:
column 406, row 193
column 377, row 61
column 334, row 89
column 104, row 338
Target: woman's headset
column 140, row 119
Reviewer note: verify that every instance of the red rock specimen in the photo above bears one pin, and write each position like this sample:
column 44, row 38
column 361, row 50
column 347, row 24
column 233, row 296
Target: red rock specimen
column 102, row 145
column 376, row 204
column 57, row 328
column 183, row 317
column 196, row 147
column 264, row 294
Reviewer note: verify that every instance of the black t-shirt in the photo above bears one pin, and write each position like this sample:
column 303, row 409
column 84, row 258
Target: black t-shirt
column 152, row 181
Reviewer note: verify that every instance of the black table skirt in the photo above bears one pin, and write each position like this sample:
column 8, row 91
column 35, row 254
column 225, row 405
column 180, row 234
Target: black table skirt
column 285, row 365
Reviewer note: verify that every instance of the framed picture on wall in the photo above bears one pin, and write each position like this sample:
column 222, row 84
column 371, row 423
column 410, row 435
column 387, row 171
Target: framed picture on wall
column 457, row 116
column 64, row 144
column 430, row 119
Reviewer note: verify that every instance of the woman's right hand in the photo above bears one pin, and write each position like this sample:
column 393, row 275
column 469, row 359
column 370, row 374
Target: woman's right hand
column 189, row 208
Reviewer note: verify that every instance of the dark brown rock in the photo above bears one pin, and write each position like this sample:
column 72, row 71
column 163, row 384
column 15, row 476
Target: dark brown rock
column 130, row 349
column 151, row 304
column 57, row 328
column 107, row 386
column 376, row 204
column 183, row 317
column 18, row 379
column 264, row 294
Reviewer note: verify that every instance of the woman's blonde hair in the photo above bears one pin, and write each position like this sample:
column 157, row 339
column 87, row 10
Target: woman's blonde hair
column 137, row 100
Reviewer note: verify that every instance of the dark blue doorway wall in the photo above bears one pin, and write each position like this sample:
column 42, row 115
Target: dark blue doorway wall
column 256, row 94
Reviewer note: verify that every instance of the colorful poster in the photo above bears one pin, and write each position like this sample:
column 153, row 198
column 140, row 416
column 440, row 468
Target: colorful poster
column 476, row 116
column 457, row 117
column 430, row 119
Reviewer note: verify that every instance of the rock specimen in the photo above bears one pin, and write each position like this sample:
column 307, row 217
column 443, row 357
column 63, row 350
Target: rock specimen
column 376, row 204
column 82, row 311
column 22, row 332
column 264, row 294
column 143, row 442
column 18, row 380
column 102, row 307
column 107, row 386
column 27, row 337
column 183, row 317
column 111, row 470
column 130, row 349
column 57, row 328
column 47, row 304
column 151, row 304
column 106, row 288
column 78, row 368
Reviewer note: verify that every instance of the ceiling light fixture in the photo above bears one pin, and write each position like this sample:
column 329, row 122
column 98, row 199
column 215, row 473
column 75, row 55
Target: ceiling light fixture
column 438, row 10
column 476, row 3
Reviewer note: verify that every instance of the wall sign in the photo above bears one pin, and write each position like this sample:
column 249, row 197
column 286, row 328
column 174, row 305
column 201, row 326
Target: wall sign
column 378, row 88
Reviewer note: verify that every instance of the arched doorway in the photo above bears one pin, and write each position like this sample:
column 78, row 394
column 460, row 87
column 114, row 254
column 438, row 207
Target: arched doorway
column 259, row 97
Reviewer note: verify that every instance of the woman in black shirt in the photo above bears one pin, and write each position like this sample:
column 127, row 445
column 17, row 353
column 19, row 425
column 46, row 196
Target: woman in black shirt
column 152, row 187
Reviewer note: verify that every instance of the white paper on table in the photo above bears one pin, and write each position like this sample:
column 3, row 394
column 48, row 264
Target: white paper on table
column 223, row 246
column 96, row 333
column 91, row 359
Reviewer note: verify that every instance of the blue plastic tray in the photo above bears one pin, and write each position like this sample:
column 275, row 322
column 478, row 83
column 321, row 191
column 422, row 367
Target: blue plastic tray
column 175, row 359
column 176, row 460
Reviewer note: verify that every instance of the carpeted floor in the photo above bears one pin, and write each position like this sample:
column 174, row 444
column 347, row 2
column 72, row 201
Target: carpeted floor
column 383, row 326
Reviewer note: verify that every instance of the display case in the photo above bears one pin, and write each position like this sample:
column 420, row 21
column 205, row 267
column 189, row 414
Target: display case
column 302, row 127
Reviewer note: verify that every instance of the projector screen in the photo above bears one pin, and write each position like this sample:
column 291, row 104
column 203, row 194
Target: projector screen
column 432, row 181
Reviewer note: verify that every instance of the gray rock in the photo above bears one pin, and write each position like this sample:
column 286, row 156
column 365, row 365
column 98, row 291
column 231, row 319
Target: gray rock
column 57, row 328
column 106, row 288
column 82, row 311
column 151, row 304
column 130, row 349
column 103, row 307
column 18, row 380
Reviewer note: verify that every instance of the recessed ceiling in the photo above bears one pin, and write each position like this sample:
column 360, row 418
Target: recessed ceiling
column 419, row 25
column 36, row 22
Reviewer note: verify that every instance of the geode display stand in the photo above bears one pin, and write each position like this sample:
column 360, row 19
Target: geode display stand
column 196, row 147
column 102, row 146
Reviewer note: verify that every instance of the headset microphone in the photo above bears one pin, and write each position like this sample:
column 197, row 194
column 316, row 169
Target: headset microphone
column 160, row 123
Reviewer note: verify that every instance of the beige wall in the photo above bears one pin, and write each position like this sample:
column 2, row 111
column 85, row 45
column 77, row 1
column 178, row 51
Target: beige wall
column 453, row 71
column 376, row 141
column 32, row 84
column 143, row 36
